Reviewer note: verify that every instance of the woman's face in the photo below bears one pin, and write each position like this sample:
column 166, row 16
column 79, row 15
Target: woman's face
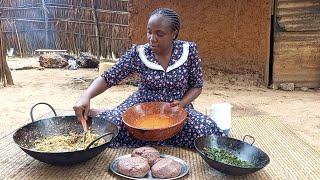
column 159, row 33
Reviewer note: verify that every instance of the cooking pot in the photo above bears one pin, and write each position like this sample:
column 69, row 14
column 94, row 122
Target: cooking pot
column 241, row 149
column 26, row 136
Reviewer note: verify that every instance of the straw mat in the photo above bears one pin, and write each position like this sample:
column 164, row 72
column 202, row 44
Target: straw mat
column 291, row 157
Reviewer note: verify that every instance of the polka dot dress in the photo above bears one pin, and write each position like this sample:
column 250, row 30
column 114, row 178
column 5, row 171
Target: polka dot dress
column 184, row 71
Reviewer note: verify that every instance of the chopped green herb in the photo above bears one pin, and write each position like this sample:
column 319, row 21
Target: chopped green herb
column 226, row 157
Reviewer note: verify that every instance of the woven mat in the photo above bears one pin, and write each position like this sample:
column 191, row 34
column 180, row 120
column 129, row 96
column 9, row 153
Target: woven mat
column 291, row 157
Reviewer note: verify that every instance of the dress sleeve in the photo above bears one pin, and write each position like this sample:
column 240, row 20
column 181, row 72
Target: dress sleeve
column 126, row 65
column 195, row 78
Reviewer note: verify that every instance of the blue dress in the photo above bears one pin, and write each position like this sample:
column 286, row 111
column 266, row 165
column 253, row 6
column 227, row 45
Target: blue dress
column 184, row 71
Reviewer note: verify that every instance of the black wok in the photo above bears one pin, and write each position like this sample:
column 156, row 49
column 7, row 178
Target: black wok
column 59, row 125
column 241, row 149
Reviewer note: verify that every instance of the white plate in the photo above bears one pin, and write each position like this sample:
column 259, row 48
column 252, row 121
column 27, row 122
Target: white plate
column 184, row 167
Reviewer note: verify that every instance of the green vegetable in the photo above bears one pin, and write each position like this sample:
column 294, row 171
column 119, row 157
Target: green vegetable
column 226, row 157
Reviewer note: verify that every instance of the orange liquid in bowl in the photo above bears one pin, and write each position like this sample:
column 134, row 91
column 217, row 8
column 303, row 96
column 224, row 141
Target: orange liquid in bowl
column 154, row 121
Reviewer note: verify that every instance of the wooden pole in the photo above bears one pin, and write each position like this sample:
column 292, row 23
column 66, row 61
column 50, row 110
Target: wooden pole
column 18, row 39
column 5, row 74
column 2, row 57
column 45, row 11
column 79, row 39
column 94, row 14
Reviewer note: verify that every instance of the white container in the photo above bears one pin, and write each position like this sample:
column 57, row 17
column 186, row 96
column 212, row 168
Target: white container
column 221, row 115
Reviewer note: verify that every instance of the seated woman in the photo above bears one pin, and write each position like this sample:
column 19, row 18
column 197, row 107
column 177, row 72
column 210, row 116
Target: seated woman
column 170, row 71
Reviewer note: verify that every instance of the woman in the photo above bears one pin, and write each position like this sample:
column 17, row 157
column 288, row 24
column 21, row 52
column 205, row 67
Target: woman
column 170, row 71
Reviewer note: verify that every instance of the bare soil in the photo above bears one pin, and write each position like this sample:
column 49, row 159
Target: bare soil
column 61, row 88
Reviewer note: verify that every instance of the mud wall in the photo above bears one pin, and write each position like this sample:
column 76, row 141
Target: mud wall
column 232, row 36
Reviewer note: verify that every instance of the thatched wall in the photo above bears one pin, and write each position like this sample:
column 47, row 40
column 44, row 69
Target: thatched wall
column 96, row 26
column 231, row 36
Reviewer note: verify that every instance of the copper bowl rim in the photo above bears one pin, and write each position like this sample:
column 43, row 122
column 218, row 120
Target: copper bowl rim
column 135, row 127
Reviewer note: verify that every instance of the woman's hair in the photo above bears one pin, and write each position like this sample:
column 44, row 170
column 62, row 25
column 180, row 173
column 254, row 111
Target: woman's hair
column 171, row 16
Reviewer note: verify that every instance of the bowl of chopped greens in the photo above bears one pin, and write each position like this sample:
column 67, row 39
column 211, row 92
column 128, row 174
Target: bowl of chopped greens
column 231, row 156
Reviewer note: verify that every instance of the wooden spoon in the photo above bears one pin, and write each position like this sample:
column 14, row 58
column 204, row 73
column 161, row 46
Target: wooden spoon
column 84, row 125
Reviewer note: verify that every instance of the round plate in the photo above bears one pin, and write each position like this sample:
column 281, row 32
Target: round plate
column 184, row 167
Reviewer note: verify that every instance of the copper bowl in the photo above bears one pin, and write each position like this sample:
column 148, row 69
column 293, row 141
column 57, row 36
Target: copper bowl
column 132, row 114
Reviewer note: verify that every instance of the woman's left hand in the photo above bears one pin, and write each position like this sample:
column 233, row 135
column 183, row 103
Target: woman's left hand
column 189, row 96
column 176, row 103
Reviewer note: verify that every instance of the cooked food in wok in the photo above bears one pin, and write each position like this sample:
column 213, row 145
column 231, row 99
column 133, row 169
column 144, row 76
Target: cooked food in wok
column 68, row 142
column 226, row 157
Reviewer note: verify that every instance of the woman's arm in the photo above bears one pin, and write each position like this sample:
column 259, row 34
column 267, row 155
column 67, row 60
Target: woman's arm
column 97, row 87
column 124, row 67
column 189, row 96
column 195, row 80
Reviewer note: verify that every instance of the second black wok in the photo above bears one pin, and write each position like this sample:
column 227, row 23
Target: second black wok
column 242, row 150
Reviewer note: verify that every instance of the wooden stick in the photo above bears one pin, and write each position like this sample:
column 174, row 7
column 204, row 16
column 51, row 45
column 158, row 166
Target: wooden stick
column 14, row 23
column 45, row 11
column 2, row 58
column 8, row 73
column 5, row 75
column 97, row 29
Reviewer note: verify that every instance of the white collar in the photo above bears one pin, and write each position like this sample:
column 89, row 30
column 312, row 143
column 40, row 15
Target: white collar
column 151, row 65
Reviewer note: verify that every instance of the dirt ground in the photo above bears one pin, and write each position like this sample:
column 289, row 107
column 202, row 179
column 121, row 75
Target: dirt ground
column 61, row 88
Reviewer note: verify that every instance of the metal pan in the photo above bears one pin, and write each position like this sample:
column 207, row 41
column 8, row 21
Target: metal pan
column 241, row 149
column 26, row 136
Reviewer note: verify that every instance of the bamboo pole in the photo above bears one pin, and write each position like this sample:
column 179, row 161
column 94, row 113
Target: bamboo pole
column 45, row 11
column 96, row 29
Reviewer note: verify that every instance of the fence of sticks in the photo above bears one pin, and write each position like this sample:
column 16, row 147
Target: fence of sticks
column 96, row 26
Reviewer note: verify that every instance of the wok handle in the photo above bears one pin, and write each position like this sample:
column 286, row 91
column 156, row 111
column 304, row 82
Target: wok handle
column 106, row 134
column 31, row 111
column 253, row 139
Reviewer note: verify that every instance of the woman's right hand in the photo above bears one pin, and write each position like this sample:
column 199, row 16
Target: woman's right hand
column 82, row 107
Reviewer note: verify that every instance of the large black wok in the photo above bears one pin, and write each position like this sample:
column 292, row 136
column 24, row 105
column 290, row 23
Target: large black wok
column 241, row 149
column 59, row 125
